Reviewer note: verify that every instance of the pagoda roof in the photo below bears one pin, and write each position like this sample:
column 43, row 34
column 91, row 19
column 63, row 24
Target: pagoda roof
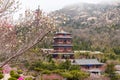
column 87, row 62
column 62, row 37
column 62, row 32
column 66, row 45
column 62, row 53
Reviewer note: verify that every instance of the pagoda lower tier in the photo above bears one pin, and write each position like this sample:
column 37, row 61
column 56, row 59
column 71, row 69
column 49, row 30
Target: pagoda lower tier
column 62, row 55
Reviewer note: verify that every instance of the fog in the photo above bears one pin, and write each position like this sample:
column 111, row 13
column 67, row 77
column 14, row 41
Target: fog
column 51, row 5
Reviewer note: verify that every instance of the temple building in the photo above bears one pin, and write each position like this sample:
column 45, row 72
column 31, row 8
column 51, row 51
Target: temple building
column 89, row 65
column 62, row 45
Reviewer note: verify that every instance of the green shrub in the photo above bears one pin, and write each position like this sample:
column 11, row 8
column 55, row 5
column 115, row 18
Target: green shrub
column 29, row 78
column 16, row 76
column 66, row 75
column 78, row 75
column 19, row 72
column 34, row 75
column 1, row 69
column 1, row 72
column 46, row 72
column 1, row 76
column 12, row 78
column 55, row 79
column 12, row 73
column 38, row 69
column 57, row 71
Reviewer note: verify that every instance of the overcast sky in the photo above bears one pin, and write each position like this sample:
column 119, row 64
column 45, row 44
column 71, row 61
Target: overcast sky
column 50, row 5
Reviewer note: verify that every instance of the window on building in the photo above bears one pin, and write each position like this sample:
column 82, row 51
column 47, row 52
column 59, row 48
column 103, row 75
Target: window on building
column 65, row 41
column 97, row 66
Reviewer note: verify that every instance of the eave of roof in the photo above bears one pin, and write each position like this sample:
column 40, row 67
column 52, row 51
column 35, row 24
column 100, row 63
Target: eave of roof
column 62, row 53
column 88, row 62
column 64, row 45
column 62, row 37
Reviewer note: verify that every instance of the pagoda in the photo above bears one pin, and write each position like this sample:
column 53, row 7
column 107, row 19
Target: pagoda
column 62, row 45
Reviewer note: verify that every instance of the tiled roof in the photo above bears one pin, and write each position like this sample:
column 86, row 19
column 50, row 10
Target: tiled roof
column 62, row 32
column 86, row 62
column 63, row 53
column 62, row 45
column 62, row 37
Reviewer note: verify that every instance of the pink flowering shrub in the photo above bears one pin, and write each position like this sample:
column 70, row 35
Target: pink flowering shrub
column 21, row 78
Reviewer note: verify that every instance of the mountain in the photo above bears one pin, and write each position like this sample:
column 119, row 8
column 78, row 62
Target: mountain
column 94, row 26
column 85, row 15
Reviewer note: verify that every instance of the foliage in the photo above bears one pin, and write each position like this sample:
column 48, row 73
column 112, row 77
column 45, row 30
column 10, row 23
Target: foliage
column 65, row 65
column 1, row 76
column 14, row 74
column 78, row 75
column 19, row 71
column 29, row 78
column 58, row 71
column 88, row 34
column 64, row 69
column 8, row 6
column 12, row 78
column 110, row 70
column 102, row 57
column 53, row 66
column 66, row 75
column 116, row 50
column 79, row 44
column 46, row 72
column 19, row 38
column 74, row 75
column 74, row 67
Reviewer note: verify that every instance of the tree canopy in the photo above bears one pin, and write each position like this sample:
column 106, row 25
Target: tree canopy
column 16, row 39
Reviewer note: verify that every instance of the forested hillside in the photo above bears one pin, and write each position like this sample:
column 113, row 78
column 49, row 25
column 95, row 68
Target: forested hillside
column 94, row 26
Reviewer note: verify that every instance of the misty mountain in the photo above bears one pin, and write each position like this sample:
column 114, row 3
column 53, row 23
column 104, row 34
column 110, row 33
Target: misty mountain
column 97, row 25
column 85, row 15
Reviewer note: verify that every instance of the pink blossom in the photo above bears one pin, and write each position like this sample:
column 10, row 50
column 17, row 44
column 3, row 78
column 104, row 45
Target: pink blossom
column 6, row 69
column 20, row 78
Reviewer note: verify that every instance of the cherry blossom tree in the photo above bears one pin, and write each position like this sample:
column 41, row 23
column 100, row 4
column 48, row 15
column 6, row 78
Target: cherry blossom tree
column 8, row 6
column 31, row 29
